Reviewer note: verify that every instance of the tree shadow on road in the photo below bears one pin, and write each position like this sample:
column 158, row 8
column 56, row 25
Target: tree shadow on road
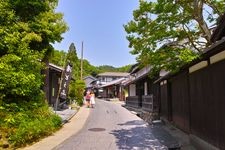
column 136, row 135
column 134, row 122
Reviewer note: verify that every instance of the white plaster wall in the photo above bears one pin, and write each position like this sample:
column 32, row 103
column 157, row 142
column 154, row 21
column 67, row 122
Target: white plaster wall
column 132, row 90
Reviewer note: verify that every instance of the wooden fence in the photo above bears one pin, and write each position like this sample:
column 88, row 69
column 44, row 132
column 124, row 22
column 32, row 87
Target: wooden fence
column 207, row 97
column 147, row 103
column 132, row 101
column 196, row 102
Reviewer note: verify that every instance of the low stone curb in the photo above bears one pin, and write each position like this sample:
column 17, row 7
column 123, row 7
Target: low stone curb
column 66, row 116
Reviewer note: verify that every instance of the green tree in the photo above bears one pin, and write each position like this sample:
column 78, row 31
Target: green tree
column 76, row 91
column 77, row 85
column 74, row 60
column 168, row 33
column 58, row 58
column 106, row 68
column 27, row 30
column 89, row 69
column 124, row 68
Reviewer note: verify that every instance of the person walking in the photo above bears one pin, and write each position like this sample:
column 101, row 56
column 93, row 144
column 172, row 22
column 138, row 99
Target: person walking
column 92, row 99
column 88, row 98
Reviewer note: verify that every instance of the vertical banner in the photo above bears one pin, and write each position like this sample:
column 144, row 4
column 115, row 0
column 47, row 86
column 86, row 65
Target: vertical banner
column 65, row 81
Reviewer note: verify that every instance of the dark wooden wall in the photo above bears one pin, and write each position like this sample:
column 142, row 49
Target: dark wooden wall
column 150, row 86
column 207, row 95
column 140, row 91
column 53, row 84
column 165, row 109
column 132, row 101
column 156, row 97
column 180, row 101
column 148, row 102
column 196, row 102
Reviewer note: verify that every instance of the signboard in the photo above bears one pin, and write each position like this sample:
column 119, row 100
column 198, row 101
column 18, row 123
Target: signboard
column 65, row 81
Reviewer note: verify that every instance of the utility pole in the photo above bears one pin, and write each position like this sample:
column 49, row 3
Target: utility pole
column 81, row 64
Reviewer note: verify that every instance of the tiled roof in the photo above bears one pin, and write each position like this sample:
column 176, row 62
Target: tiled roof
column 114, row 74
column 57, row 68
column 114, row 82
column 93, row 78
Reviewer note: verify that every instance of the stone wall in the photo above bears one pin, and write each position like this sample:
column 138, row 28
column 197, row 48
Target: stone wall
column 149, row 116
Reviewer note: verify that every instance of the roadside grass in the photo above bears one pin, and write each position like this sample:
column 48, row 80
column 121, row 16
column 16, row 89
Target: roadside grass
column 25, row 123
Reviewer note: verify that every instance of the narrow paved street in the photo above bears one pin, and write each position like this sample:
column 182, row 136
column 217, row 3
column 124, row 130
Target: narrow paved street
column 112, row 127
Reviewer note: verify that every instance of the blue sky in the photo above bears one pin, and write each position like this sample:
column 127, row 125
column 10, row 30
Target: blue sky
column 99, row 24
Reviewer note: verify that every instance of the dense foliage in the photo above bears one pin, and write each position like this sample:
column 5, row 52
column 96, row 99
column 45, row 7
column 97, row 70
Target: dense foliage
column 25, row 122
column 72, row 58
column 25, row 39
column 89, row 69
column 27, row 30
column 58, row 58
column 77, row 85
column 107, row 68
column 78, row 91
column 167, row 34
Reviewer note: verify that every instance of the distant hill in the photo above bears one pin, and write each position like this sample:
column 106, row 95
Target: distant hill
column 107, row 68
column 89, row 69
column 58, row 58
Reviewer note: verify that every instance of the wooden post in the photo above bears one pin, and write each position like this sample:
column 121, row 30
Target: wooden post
column 57, row 98
column 81, row 64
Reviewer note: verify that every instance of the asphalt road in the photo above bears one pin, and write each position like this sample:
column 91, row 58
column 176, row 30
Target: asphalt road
column 112, row 127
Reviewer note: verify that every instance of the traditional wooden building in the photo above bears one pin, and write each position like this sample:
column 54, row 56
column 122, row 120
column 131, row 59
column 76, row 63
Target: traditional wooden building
column 112, row 89
column 106, row 77
column 109, row 84
column 142, row 93
column 53, row 82
column 194, row 98
column 90, row 81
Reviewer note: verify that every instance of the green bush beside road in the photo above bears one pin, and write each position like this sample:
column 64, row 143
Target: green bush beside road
column 26, row 122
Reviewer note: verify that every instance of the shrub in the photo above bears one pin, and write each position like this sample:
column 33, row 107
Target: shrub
column 28, row 122
column 76, row 91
